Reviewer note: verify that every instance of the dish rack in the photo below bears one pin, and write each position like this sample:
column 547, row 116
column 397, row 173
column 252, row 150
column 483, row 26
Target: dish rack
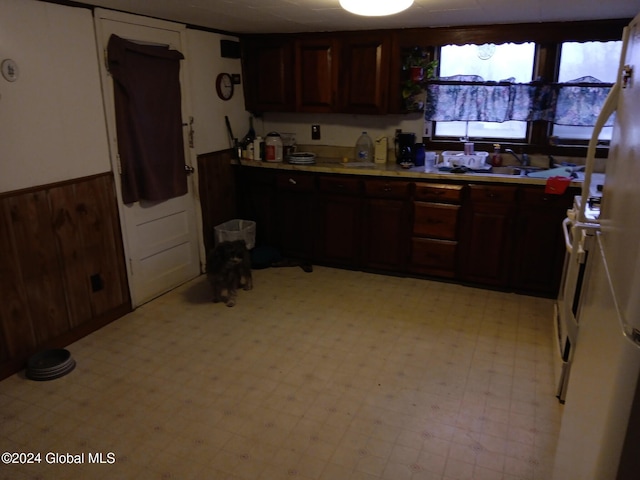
column 452, row 159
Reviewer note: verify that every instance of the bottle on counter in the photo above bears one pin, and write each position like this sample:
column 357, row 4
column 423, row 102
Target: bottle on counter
column 496, row 156
column 418, row 155
column 258, row 148
column 250, row 136
column 364, row 148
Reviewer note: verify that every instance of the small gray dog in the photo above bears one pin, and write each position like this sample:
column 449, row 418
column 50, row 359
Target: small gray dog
column 229, row 268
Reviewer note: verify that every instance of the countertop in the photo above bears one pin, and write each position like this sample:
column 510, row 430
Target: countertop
column 392, row 170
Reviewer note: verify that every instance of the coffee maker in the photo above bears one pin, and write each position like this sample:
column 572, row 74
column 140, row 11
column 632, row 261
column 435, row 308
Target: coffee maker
column 404, row 143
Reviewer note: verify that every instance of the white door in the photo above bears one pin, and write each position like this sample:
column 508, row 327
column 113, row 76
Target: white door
column 160, row 238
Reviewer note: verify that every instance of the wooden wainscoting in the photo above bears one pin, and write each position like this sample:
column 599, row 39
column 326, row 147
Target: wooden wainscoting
column 62, row 266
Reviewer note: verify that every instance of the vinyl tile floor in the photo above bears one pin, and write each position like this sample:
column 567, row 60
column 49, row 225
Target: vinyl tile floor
column 330, row 375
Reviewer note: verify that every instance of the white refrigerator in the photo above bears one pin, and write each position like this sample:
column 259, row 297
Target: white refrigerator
column 600, row 432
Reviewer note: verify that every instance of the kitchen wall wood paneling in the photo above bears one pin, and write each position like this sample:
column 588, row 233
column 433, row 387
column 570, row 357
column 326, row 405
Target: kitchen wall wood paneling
column 62, row 268
column 217, row 189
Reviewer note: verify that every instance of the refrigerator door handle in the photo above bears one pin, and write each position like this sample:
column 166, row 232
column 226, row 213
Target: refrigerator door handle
column 608, row 108
column 629, row 332
column 566, row 227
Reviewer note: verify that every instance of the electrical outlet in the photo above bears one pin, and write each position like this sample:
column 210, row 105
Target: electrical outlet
column 315, row 132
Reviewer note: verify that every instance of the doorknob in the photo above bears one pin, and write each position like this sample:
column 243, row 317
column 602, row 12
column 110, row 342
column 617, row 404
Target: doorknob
column 189, row 169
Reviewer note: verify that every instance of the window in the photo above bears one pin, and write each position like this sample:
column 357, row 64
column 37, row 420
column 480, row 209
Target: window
column 551, row 90
column 587, row 59
column 491, row 63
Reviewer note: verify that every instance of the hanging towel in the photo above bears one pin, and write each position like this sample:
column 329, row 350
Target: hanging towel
column 146, row 82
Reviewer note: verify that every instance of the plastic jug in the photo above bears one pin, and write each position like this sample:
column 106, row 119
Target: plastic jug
column 273, row 147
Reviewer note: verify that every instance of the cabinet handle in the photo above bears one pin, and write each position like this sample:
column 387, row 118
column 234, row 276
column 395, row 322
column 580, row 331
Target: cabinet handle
column 292, row 181
column 387, row 188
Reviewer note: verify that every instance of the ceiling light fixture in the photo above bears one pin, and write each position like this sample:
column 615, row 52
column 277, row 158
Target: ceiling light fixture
column 375, row 8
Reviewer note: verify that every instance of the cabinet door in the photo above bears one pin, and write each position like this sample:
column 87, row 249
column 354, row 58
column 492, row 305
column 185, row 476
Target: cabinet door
column 256, row 201
column 316, row 74
column 364, row 70
column 540, row 249
column 386, row 234
column 340, row 220
column 296, row 214
column 269, row 74
column 486, row 242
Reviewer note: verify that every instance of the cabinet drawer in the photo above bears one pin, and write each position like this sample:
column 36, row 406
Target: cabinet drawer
column 536, row 197
column 437, row 220
column 438, row 192
column 340, row 185
column 437, row 255
column 492, row 193
column 387, row 189
column 296, row 181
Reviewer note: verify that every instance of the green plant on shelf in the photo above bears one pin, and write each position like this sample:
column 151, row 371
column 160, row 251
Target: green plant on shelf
column 418, row 68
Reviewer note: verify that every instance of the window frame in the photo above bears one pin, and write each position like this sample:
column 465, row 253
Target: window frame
column 548, row 38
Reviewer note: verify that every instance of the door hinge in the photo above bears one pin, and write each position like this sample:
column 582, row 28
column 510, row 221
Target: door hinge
column 119, row 164
column 106, row 59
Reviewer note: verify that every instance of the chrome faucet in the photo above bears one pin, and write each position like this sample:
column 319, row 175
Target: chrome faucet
column 524, row 160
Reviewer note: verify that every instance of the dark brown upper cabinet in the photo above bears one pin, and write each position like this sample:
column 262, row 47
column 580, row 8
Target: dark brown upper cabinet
column 268, row 64
column 364, row 69
column 316, row 67
column 320, row 73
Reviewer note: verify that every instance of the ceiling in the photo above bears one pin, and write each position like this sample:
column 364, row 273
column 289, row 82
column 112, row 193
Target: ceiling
column 288, row 16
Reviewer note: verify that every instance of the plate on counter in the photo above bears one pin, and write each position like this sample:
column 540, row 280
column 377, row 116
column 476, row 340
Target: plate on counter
column 302, row 158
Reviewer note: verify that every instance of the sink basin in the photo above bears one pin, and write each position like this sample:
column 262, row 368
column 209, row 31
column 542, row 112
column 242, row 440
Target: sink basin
column 514, row 170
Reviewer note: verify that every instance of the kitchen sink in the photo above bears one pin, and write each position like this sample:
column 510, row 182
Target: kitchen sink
column 514, row 170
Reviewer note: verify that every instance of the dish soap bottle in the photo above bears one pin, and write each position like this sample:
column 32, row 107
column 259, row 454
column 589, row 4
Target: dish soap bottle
column 496, row 156
column 364, row 148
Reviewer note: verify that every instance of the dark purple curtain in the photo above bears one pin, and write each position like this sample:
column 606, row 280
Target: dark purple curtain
column 147, row 96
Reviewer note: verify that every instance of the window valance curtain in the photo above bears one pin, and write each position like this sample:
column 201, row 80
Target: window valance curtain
column 470, row 98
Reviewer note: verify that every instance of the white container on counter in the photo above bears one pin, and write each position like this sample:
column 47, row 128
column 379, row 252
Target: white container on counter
column 273, row 147
column 381, row 150
column 257, row 148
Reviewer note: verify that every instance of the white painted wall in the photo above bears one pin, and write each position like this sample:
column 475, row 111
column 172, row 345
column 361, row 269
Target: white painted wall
column 52, row 124
column 205, row 63
column 340, row 129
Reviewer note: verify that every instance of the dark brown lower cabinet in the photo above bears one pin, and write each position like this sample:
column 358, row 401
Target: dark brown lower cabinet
column 386, row 230
column 506, row 236
column 488, row 235
column 433, row 257
column 295, row 214
column 434, row 243
column 539, row 248
column 256, row 199
column 339, row 239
